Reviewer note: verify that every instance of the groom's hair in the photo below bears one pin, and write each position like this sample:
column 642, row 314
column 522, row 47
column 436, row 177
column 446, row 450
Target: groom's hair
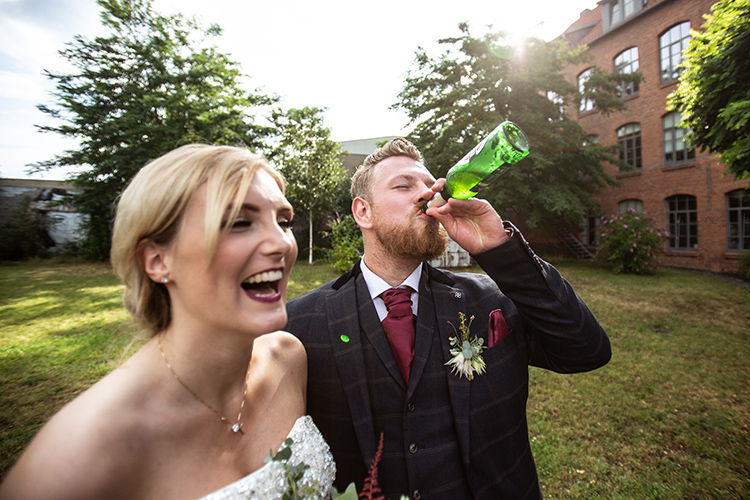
column 362, row 178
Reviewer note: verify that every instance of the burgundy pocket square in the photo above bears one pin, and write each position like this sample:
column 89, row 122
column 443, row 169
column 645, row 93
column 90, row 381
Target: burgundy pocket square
column 498, row 328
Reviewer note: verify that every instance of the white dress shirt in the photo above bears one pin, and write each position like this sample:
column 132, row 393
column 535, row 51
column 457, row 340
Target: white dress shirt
column 376, row 285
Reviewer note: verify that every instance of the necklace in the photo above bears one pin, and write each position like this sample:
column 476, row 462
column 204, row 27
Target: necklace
column 237, row 426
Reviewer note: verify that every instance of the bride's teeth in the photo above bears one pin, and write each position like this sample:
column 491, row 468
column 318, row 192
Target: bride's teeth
column 266, row 276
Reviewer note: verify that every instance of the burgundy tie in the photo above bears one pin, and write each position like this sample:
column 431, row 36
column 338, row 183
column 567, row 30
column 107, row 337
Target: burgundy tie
column 399, row 327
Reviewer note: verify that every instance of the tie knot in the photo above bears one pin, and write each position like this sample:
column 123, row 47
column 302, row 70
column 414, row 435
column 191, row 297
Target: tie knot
column 397, row 301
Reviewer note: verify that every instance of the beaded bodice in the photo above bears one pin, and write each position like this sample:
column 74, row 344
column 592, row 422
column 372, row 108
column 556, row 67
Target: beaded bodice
column 271, row 481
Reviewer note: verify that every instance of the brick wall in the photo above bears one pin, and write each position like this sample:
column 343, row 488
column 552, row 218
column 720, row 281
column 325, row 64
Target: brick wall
column 702, row 177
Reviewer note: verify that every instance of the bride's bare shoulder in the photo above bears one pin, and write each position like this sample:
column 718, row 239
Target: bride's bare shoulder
column 90, row 448
column 281, row 346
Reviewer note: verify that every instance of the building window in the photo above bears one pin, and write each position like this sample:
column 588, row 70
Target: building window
column 586, row 104
column 738, row 220
column 629, row 143
column 626, row 62
column 559, row 103
column 590, row 234
column 621, row 9
column 676, row 149
column 682, row 217
column 672, row 45
column 634, row 205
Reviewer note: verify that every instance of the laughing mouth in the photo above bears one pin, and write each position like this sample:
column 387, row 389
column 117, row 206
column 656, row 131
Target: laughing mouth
column 263, row 285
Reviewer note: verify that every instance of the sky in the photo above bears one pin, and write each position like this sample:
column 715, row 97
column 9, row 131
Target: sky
column 348, row 57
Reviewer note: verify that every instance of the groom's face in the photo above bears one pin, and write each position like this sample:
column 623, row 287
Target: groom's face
column 400, row 188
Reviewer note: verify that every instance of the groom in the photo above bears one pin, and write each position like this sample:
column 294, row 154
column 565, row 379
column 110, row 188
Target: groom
column 379, row 348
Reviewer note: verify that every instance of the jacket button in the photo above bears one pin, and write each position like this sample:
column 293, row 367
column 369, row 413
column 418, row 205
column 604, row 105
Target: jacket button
column 410, row 406
column 416, row 495
column 413, row 448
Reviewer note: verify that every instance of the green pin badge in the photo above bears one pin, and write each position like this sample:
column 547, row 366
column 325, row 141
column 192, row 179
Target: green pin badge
column 344, row 338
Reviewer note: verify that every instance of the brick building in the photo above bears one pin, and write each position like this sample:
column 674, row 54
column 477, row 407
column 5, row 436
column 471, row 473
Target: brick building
column 707, row 213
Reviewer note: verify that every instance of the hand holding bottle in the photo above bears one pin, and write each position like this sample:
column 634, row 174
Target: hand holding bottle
column 472, row 223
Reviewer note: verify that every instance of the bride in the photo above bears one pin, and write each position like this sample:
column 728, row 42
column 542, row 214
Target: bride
column 202, row 241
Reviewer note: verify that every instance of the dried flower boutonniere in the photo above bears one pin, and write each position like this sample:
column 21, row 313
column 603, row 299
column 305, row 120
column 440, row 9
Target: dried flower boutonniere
column 466, row 350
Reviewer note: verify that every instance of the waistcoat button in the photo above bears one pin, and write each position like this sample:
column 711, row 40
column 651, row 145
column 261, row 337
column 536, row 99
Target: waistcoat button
column 413, row 448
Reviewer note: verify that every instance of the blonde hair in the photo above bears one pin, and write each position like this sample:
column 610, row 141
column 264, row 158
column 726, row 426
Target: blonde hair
column 152, row 206
column 362, row 178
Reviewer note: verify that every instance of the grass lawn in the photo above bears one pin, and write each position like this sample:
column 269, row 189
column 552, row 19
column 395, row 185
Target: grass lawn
column 668, row 418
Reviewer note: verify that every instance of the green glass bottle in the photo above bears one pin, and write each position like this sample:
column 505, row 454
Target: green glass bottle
column 503, row 147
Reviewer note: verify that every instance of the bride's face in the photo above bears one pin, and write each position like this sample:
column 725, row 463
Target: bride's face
column 243, row 289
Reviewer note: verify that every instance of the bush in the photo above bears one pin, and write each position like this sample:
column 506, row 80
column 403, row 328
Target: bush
column 346, row 245
column 632, row 242
column 745, row 265
column 25, row 234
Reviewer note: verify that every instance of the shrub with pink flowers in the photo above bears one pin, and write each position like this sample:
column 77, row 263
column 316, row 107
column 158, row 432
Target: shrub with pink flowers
column 632, row 242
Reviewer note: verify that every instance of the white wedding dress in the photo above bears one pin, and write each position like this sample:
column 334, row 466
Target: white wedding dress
column 270, row 481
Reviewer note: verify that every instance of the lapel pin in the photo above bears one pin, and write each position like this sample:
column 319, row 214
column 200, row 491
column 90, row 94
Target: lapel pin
column 345, row 338
column 456, row 294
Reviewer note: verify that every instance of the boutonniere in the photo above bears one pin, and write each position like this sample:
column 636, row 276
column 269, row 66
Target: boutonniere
column 466, row 350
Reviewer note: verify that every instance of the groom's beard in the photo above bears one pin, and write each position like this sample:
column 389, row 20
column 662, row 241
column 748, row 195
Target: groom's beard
column 418, row 241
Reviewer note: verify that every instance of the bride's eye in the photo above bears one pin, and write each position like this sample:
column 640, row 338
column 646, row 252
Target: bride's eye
column 237, row 224
column 287, row 223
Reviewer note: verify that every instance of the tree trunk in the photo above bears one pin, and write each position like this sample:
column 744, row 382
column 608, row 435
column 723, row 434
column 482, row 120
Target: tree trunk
column 310, row 216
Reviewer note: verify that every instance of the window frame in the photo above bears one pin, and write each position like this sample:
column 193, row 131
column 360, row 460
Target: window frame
column 586, row 105
column 742, row 222
column 687, row 228
column 630, row 142
column 676, row 137
column 669, row 66
column 631, row 66
column 634, row 203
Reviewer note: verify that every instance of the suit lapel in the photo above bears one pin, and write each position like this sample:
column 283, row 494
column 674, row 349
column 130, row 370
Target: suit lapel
column 448, row 302
column 342, row 308
column 425, row 332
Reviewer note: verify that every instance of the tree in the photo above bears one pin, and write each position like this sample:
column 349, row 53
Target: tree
column 25, row 232
column 458, row 98
column 714, row 91
column 308, row 159
column 150, row 86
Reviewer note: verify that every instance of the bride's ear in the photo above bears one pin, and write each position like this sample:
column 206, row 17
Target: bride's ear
column 155, row 261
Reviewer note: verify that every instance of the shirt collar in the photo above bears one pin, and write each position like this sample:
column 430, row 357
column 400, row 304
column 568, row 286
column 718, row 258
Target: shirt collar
column 376, row 285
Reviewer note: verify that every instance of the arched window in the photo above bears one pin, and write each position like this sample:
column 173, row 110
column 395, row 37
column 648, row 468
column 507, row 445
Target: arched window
column 672, row 45
column 629, row 143
column 586, row 104
column 626, row 62
column 634, row 204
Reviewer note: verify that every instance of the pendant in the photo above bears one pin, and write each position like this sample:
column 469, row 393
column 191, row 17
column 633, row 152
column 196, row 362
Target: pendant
column 237, row 428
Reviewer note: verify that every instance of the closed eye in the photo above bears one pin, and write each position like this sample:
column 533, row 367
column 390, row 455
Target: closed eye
column 240, row 224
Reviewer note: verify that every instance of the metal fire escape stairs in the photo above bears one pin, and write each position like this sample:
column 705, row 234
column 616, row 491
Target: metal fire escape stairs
column 575, row 246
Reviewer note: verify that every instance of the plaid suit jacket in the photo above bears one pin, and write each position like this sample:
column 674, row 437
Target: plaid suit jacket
column 549, row 326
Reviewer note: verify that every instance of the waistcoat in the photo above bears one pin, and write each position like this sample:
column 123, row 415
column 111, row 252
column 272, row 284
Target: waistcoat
column 421, row 455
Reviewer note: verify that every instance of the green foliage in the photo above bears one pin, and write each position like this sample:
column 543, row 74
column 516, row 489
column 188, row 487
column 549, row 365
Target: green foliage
column 153, row 84
column 456, row 99
column 632, row 242
column 744, row 265
column 308, row 158
column 666, row 418
column 346, row 245
column 714, row 91
column 294, row 473
column 25, row 233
